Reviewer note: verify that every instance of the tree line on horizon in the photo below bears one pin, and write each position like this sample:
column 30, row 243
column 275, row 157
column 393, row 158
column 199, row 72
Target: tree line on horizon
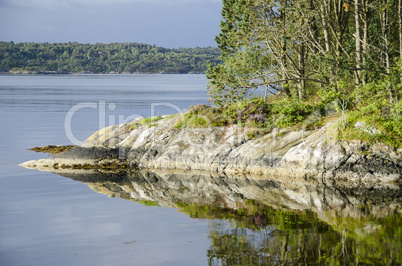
column 75, row 57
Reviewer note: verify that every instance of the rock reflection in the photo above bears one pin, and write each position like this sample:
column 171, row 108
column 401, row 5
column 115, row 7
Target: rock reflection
column 272, row 221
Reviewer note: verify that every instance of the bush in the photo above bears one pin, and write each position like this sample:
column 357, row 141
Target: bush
column 377, row 112
column 255, row 113
column 289, row 113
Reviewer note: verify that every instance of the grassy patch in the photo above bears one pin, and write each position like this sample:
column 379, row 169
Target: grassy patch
column 52, row 149
column 150, row 120
column 134, row 126
column 170, row 116
column 390, row 127
column 149, row 203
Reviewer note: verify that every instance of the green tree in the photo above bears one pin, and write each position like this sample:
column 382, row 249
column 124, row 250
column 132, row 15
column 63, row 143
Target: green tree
column 302, row 47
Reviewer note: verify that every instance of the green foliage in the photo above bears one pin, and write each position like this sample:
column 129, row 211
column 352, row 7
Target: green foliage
column 150, row 120
column 253, row 113
column 73, row 57
column 328, row 95
column 388, row 122
column 194, row 121
column 262, row 115
column 375, row 108
column 170, row 116
column 224, row 88
column 232, row 80
column 149, row 203
column 236, row 22
column 291, row 112
column 308, row 50
column 198, row 116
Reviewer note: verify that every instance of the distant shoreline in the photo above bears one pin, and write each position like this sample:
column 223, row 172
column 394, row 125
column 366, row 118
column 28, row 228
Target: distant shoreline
column 36, row 73
column 133, row 58
column 92, row 73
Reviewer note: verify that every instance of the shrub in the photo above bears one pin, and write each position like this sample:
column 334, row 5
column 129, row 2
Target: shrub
column 290, row 112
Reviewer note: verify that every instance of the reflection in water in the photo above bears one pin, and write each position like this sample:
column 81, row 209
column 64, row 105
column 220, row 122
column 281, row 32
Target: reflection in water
column 271, row 221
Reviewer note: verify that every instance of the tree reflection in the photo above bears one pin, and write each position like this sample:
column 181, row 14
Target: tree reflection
column 273, row 228
column 306, row 242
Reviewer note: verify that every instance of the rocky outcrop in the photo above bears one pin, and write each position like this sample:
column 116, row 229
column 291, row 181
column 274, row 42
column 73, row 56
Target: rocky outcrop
column 314, row 156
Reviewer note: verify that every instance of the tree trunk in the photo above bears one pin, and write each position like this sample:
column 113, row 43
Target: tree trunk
column 400, row 36
column 284, row 48
column 324, row 16
column 384, row 18
column 400, row 28
column 358, row 43
column 302, row 81
column 339, row 7
column 365, row 38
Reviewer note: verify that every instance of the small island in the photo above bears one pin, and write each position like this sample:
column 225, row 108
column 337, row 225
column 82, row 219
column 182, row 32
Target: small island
column 319, row 152
column 300, row 92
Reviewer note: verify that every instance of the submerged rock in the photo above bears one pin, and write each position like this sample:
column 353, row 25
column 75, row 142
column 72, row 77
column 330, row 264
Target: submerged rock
column 315, row 156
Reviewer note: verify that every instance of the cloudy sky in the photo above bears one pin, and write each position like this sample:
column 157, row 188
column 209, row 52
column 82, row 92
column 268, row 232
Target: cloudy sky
column 167, row 23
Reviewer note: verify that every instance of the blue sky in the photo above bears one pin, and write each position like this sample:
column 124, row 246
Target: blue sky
column 167, row 23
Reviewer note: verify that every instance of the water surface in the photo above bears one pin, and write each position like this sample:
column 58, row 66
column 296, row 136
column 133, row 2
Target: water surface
column 45, row 219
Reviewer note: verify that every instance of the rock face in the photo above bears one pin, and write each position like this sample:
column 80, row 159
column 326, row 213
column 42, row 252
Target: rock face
column 312, row 155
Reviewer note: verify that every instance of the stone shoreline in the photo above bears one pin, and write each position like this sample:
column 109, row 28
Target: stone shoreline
column 314, row 156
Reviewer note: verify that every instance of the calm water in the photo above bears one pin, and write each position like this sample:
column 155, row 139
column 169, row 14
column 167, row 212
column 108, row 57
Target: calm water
column 159, row 218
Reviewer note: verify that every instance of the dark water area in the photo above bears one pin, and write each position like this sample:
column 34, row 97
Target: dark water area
column 165, row 218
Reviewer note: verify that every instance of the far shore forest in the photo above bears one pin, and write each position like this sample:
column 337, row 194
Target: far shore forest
column 117, row 58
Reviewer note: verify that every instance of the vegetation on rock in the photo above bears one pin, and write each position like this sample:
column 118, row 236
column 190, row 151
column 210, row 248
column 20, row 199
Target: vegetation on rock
column 315, row 56
column 52, row 149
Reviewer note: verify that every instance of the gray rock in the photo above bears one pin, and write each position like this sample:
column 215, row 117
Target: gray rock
column 306, row 155
column 367, row 128
column 369, row 180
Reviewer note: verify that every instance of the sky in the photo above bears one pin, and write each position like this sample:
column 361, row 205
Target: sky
column 166, row 23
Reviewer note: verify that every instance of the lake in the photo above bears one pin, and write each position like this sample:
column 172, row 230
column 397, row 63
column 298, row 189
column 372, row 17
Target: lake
column 164, row 218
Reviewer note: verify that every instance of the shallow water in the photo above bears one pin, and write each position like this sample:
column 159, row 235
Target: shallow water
column 164, row 218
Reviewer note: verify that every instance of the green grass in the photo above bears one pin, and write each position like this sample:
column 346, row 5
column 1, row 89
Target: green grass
column 150, row 120
column 149, row 203
column 389, row 127
column 170, row 116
